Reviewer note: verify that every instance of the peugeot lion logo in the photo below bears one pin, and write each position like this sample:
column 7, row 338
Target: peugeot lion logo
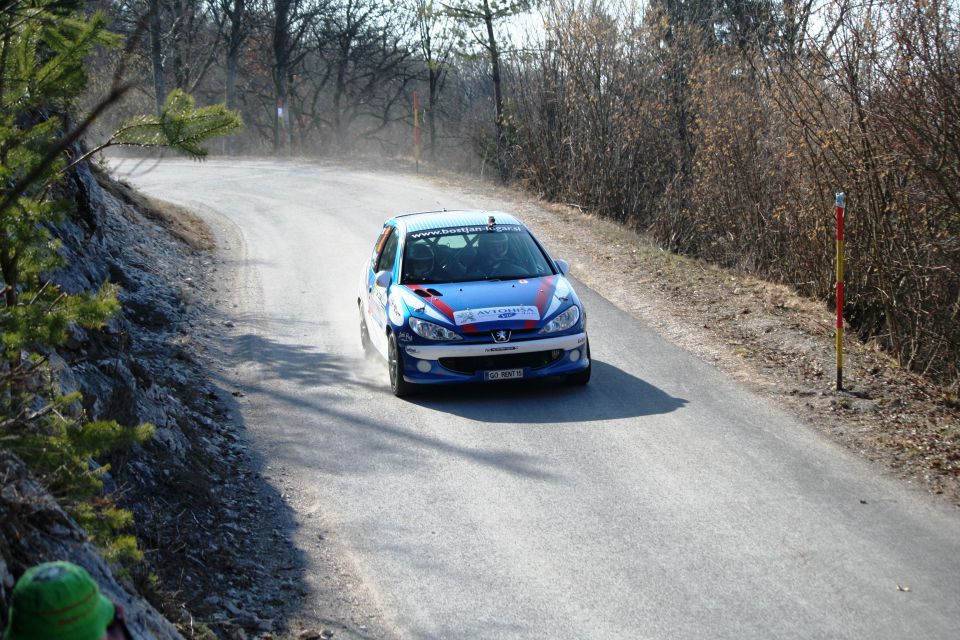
column 501, row 335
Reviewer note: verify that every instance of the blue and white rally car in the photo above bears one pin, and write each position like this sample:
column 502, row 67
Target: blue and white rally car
column 466, row 296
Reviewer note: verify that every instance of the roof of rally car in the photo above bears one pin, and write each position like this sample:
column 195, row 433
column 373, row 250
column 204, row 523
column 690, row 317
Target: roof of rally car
column 447, row 219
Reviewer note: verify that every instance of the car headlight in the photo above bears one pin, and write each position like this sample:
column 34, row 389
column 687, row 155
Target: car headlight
column 563, row 321
column 432, row 331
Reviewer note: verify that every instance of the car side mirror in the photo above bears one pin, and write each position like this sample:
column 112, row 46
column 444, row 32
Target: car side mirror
column 564, row 266
column 384, row 278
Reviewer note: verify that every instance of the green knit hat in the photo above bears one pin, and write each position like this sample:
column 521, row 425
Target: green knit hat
column 57, row 600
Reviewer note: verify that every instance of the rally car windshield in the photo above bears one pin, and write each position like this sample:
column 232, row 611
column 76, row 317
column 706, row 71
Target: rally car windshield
column 439, row 256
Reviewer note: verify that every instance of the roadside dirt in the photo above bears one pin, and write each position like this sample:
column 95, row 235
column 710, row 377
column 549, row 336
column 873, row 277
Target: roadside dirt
column 768, row 337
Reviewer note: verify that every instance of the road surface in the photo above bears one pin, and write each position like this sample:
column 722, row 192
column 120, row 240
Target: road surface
column 661, row 501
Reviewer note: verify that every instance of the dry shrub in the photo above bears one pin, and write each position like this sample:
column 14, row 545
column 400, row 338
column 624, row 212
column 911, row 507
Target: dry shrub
column 732, row 149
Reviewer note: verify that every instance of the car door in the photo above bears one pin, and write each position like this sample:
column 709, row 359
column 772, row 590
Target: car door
column 383, row 259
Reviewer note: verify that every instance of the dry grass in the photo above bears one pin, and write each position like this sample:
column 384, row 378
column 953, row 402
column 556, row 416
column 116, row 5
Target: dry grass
column 182, row 223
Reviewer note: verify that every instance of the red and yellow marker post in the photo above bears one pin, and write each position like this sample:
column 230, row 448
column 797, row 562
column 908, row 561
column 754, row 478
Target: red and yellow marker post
column 841, row 204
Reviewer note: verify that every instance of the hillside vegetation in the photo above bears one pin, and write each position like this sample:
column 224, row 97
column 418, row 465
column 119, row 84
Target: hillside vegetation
column 725, row 131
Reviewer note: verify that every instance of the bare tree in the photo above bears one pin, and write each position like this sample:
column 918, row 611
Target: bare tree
column 358, row 69
column 436, row 45
column 183, row 40
column 156, row 54
column 291, row 20
column 235, row 12
column 484, row 15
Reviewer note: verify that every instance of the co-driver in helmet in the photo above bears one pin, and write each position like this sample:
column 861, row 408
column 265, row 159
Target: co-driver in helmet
column 418, row 262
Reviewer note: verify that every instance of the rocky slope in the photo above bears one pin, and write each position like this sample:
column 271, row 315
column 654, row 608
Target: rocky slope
column 36, row 529
column 204, row 516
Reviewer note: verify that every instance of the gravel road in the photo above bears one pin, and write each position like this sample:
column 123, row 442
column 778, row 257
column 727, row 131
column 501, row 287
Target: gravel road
column 661, row 501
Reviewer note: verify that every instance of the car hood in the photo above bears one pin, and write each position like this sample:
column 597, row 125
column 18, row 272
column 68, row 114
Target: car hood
column 482, row 306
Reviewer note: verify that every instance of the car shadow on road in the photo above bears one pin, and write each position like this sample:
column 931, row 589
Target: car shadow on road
column 307, row 367
column 611, row 394
column 303, row 389
column 343, row 407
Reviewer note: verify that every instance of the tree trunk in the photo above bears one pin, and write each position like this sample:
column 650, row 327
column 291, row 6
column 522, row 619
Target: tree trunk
column 431, row 110
column 179, row 68
column 10, row 268
column 281, row 53
column 8, row 264
column 234, row 44
column 340, row 127
column 156, row 53
column 497, row 92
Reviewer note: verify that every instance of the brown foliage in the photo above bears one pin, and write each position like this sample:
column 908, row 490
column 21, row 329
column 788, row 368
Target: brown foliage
column 732, row 150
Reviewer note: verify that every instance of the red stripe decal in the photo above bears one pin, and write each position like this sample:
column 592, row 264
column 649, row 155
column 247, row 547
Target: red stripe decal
column 543, row 295
column 434, row 302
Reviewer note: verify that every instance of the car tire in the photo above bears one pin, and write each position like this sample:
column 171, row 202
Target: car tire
column 581, row 378
column 364, row 332
column 398, row 385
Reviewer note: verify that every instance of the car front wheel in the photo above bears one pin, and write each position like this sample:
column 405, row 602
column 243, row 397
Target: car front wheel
column 398, row 385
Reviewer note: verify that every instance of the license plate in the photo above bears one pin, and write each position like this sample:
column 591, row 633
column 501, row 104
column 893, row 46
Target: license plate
column 504, row 374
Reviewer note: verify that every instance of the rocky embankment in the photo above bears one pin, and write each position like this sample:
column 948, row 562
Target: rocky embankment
column 212, row 531
column 36, row 529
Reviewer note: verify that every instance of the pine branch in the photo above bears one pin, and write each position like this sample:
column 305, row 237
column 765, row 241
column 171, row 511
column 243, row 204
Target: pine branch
column 65, row 143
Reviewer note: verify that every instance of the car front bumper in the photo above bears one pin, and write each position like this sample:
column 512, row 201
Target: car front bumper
column 424, row 363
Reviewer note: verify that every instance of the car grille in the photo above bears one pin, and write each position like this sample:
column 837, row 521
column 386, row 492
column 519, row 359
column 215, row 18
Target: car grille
column 516, row 333
column 472, row 364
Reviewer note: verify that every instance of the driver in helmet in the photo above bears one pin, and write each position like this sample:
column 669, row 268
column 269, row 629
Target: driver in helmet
column 494, row 246
column 491, row 259
column 419, row 261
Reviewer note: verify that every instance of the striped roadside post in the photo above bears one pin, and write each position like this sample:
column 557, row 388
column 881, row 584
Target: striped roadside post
column 841, row 203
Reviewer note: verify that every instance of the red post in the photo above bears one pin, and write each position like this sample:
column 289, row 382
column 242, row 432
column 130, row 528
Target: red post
column 841, row 203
